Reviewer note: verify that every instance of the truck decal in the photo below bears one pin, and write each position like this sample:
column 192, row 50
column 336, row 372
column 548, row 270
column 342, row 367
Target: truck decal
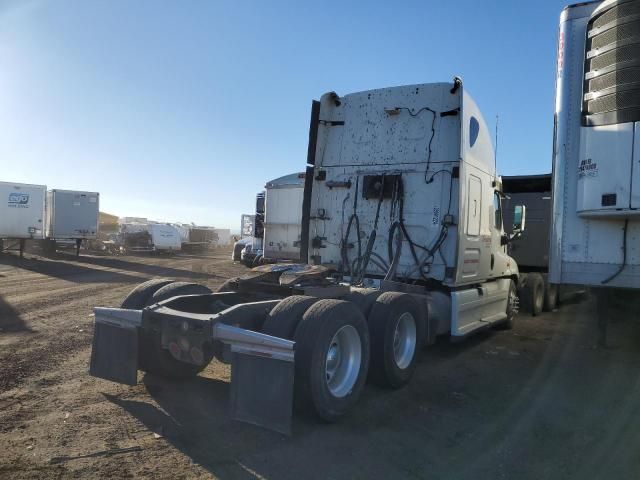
column 18, row 200
column 436, row 216
column 587, row 168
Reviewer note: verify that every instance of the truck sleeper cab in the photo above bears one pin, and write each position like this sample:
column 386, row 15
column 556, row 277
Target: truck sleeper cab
column 402, row 241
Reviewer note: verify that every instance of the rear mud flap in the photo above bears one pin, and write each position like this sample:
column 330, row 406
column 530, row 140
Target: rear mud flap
column 262, row 390
column 114, row 353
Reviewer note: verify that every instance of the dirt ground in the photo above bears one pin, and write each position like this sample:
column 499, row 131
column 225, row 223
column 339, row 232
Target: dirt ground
column 535, row 402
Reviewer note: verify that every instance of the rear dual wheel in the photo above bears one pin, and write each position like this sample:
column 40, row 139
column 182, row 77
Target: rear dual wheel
column 537, row 295
column 396, row 324
column 336, row 348
column 331, row 358
column 532, row 294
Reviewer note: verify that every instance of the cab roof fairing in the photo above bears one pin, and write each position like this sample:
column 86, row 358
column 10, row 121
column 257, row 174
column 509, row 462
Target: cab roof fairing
column 477, row 144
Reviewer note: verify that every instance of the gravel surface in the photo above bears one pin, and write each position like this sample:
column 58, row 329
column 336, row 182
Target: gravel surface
column 535, row 402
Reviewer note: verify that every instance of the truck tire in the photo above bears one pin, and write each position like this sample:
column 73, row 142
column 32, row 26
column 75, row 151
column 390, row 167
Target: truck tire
column 178, row 288
column 512, row 308
column 283, row 320
column 532, row 294
column 230, row 285
column 395, row 328
column 152, row 358
column 237, row 252
column 364, row 300
column 550, row 296
column 139, row 296
column 331, row 358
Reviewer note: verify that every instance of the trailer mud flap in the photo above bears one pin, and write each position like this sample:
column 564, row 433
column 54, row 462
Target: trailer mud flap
column 262, row 390
column 114, row 352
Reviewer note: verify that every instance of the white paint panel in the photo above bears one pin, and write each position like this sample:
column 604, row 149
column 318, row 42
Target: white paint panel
column 478, row 307
column 604, row 167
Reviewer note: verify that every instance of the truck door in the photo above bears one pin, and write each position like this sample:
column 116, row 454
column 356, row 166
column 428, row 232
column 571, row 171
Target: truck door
column 472, row 248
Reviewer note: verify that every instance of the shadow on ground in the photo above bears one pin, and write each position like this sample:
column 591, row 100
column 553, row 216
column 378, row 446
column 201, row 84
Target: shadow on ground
column 68, row 270
column 194, row 418
column 10, row 320
column 144, row 268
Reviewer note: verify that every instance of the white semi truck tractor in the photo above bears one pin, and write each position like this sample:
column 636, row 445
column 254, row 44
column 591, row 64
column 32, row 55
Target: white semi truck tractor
column 402, row 241
column 596, row 151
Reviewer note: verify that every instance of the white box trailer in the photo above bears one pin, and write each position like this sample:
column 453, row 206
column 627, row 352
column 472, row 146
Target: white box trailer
column 596, row 149
column 22, row 212
column 72, row 215
column 283, row 217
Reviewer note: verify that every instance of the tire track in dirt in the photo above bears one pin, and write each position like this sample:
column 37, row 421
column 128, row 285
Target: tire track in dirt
column 53, row 308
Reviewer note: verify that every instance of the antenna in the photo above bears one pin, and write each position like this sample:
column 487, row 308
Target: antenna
column 495, row 154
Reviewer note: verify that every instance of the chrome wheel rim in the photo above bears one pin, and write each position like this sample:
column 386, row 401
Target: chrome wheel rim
column 343, row 360
column 404, row 340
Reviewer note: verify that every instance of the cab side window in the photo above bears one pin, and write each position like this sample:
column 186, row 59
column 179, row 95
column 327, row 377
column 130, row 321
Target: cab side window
column 497, row 209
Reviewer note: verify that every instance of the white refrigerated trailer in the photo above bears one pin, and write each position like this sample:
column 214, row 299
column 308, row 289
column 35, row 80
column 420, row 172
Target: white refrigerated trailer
column 71, row 216
column 22, row 213
column 283, row 216
column 596, row 150
column 403, row 239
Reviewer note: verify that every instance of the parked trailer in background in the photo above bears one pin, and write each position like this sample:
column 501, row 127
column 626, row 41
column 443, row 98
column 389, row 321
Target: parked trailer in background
column 531, row 249
column 22, row 213
column 200, row 239
column 224, row 236
column 596, row 151
column 71, row 216
column 402, row 228
column 164, row 237
column 247, row 223
column 282, row 217
column 250, row 246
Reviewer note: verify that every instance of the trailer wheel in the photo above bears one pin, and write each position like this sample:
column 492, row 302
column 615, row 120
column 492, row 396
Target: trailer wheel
column 550, row 296
column 364, row 300
column 331, row 358
column 532, row 294
column 152, row 358
column 283, row 320
column 178, row 288
column 512, row 308
column 395, row 328
column 139, row 296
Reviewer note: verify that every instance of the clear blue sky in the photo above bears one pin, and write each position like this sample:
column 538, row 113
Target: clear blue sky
column 182, row 110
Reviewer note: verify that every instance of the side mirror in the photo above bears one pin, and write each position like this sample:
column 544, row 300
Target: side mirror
column 519, row 216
